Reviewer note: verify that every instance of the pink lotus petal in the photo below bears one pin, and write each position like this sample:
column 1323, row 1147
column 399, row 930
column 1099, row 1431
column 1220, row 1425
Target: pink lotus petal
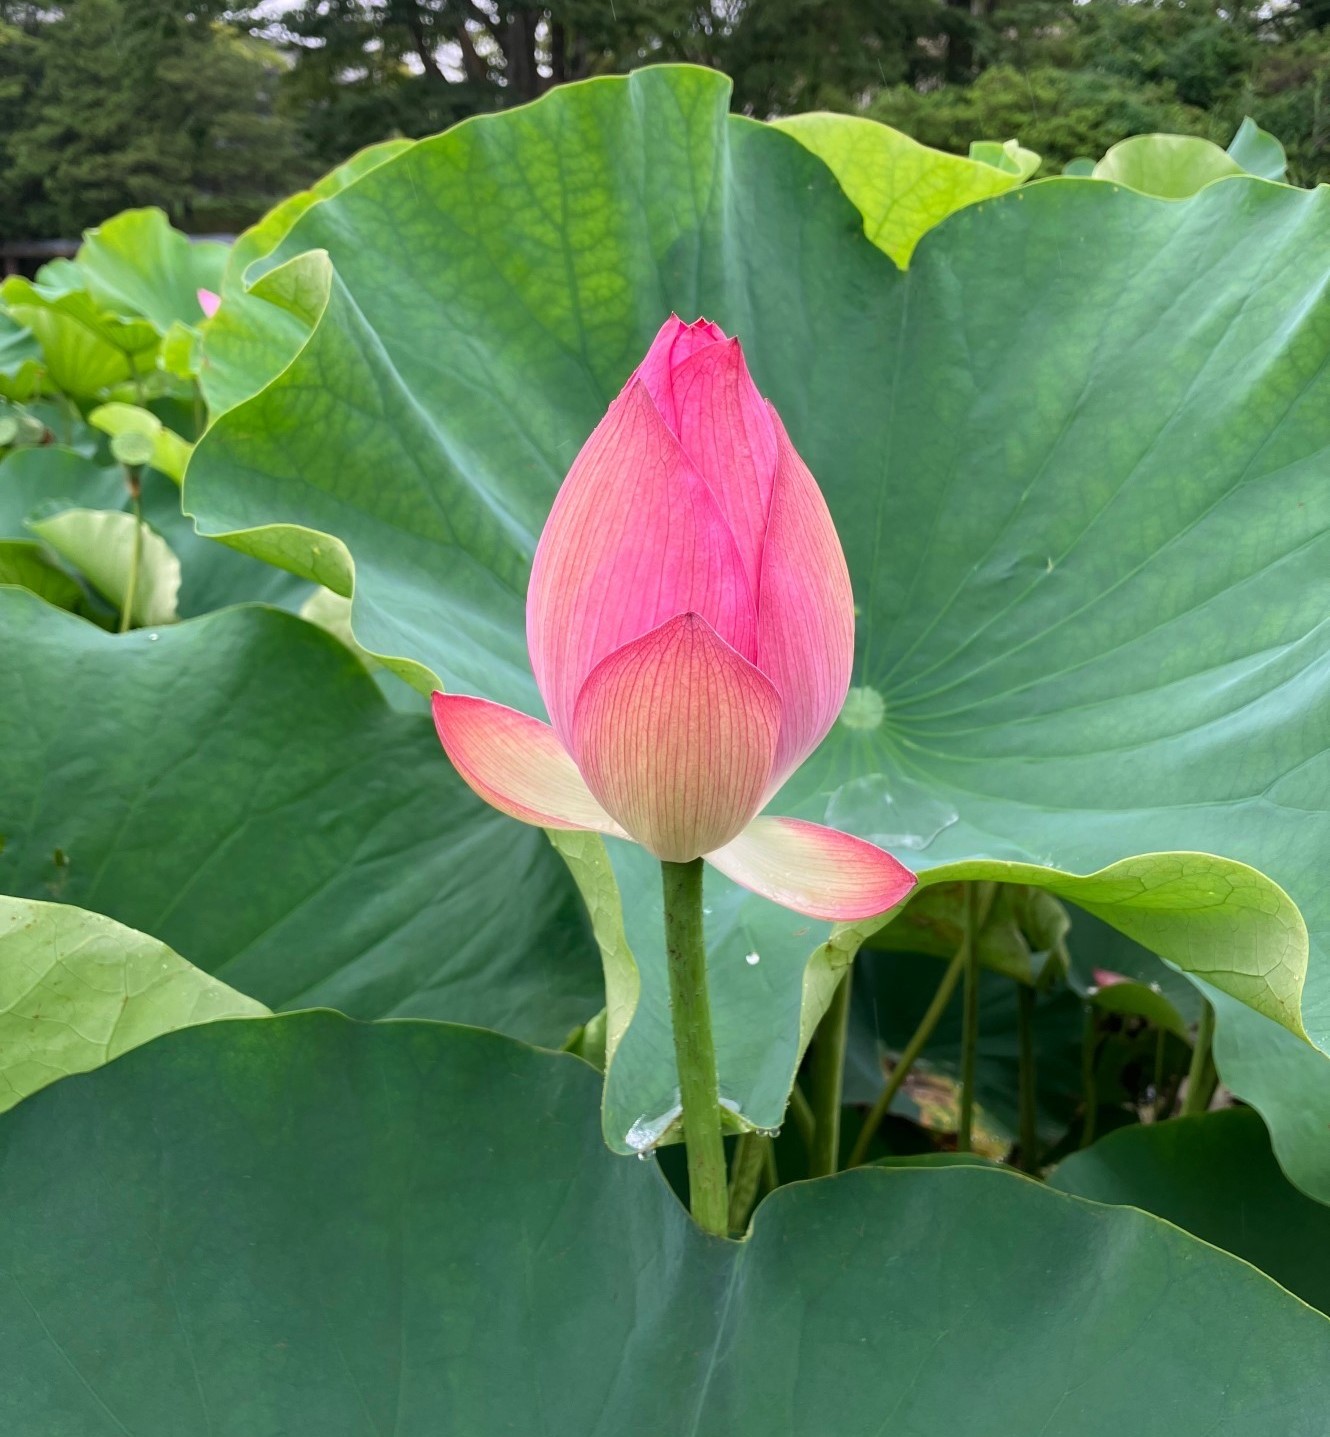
column 726, row 430
column 635, row 537
column 805, row 636
column 516, row 763
column 814, row 870
column 209, row 302
column 675, row 342
column 1106, row 977
column 675, row 733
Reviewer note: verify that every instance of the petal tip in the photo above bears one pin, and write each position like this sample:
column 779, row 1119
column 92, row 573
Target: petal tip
column 818, row 871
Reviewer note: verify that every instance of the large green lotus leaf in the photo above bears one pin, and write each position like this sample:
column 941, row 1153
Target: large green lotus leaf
column 1009, row 156
column 170, row 453
column 310, row 1227
column 85, row 349
column 250, row 342
column 112, row 549
column 136, row 263
column 236, row 787
column 20, row 360
column 903, row 188
column 1215, row 1176
column 77, row 990
column 46, row 478
column 1168, row 166
column 28, row 566
column 38, row 482
column 770, row 980
column 1258, row 151
column 1085, row 512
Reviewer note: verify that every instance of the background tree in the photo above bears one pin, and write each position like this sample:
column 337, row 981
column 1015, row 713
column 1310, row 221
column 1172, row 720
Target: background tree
column 129, row 102
column 213, row 112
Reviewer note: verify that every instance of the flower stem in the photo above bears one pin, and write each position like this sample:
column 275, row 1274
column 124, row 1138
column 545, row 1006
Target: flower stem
column 1029, row 1123
column 969, row 1019
column 827, row 1073
column 1201, row 1073
column 918, row 1041
column 694, row 1049
column 136, row 553
column 801, row 1110
column 746, row 1173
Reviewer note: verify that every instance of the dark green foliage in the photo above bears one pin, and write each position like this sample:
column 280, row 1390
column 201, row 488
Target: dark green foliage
column 213, row 112
column 1058, row 113
column 115, row 103
column 1074, row 80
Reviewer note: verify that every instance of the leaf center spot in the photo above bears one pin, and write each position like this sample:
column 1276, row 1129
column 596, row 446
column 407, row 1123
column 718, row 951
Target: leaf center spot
column 864, row 708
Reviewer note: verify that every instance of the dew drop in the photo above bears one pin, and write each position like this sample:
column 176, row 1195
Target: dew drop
column 646, row 1132
column 752, row 959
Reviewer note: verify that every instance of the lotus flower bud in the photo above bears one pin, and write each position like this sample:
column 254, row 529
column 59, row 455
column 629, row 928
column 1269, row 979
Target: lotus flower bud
column 691, row 629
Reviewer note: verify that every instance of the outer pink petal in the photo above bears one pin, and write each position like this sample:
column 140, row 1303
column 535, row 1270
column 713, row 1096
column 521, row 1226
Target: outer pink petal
column 725, row 428
column 675, row 342
column 675, row 734
column 209, row 302
column 805, row 634
column 635, row 537
column 517, row 763
column 814, row 870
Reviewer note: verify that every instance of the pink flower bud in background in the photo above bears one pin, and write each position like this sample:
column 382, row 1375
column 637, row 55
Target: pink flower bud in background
column 208, row 302
column 691, row 629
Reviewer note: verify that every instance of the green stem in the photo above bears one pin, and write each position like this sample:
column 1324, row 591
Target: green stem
column 827, row 1073
column 909, row 1054
column 801, row 1110
column 769, row 1169
column 1090, row 1089
column 969, row 1019
column 694, row 1049
column 1201, row 1077
column 1029, row 1127
column 746, row 1172
column 136, row 553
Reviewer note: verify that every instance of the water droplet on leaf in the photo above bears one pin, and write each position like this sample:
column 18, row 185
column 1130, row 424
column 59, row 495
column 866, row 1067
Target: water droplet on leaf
column 646, row 1132
column 891, row 812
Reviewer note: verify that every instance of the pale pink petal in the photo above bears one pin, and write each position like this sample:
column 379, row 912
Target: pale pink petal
column 814, row 870
column 675, row 733
column 635, row 537
column 517, row 763
column 805, row 626
column 726, row 430
column 675, row 342
column 209, row 302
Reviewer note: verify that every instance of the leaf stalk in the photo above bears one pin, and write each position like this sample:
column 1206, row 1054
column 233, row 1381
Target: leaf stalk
column 694, row 1046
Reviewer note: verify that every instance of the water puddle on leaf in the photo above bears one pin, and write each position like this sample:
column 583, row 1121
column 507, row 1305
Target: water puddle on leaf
column 893, row 813
column 646, row 1132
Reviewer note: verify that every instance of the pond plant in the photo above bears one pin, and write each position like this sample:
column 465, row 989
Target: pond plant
column 992, row 1061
